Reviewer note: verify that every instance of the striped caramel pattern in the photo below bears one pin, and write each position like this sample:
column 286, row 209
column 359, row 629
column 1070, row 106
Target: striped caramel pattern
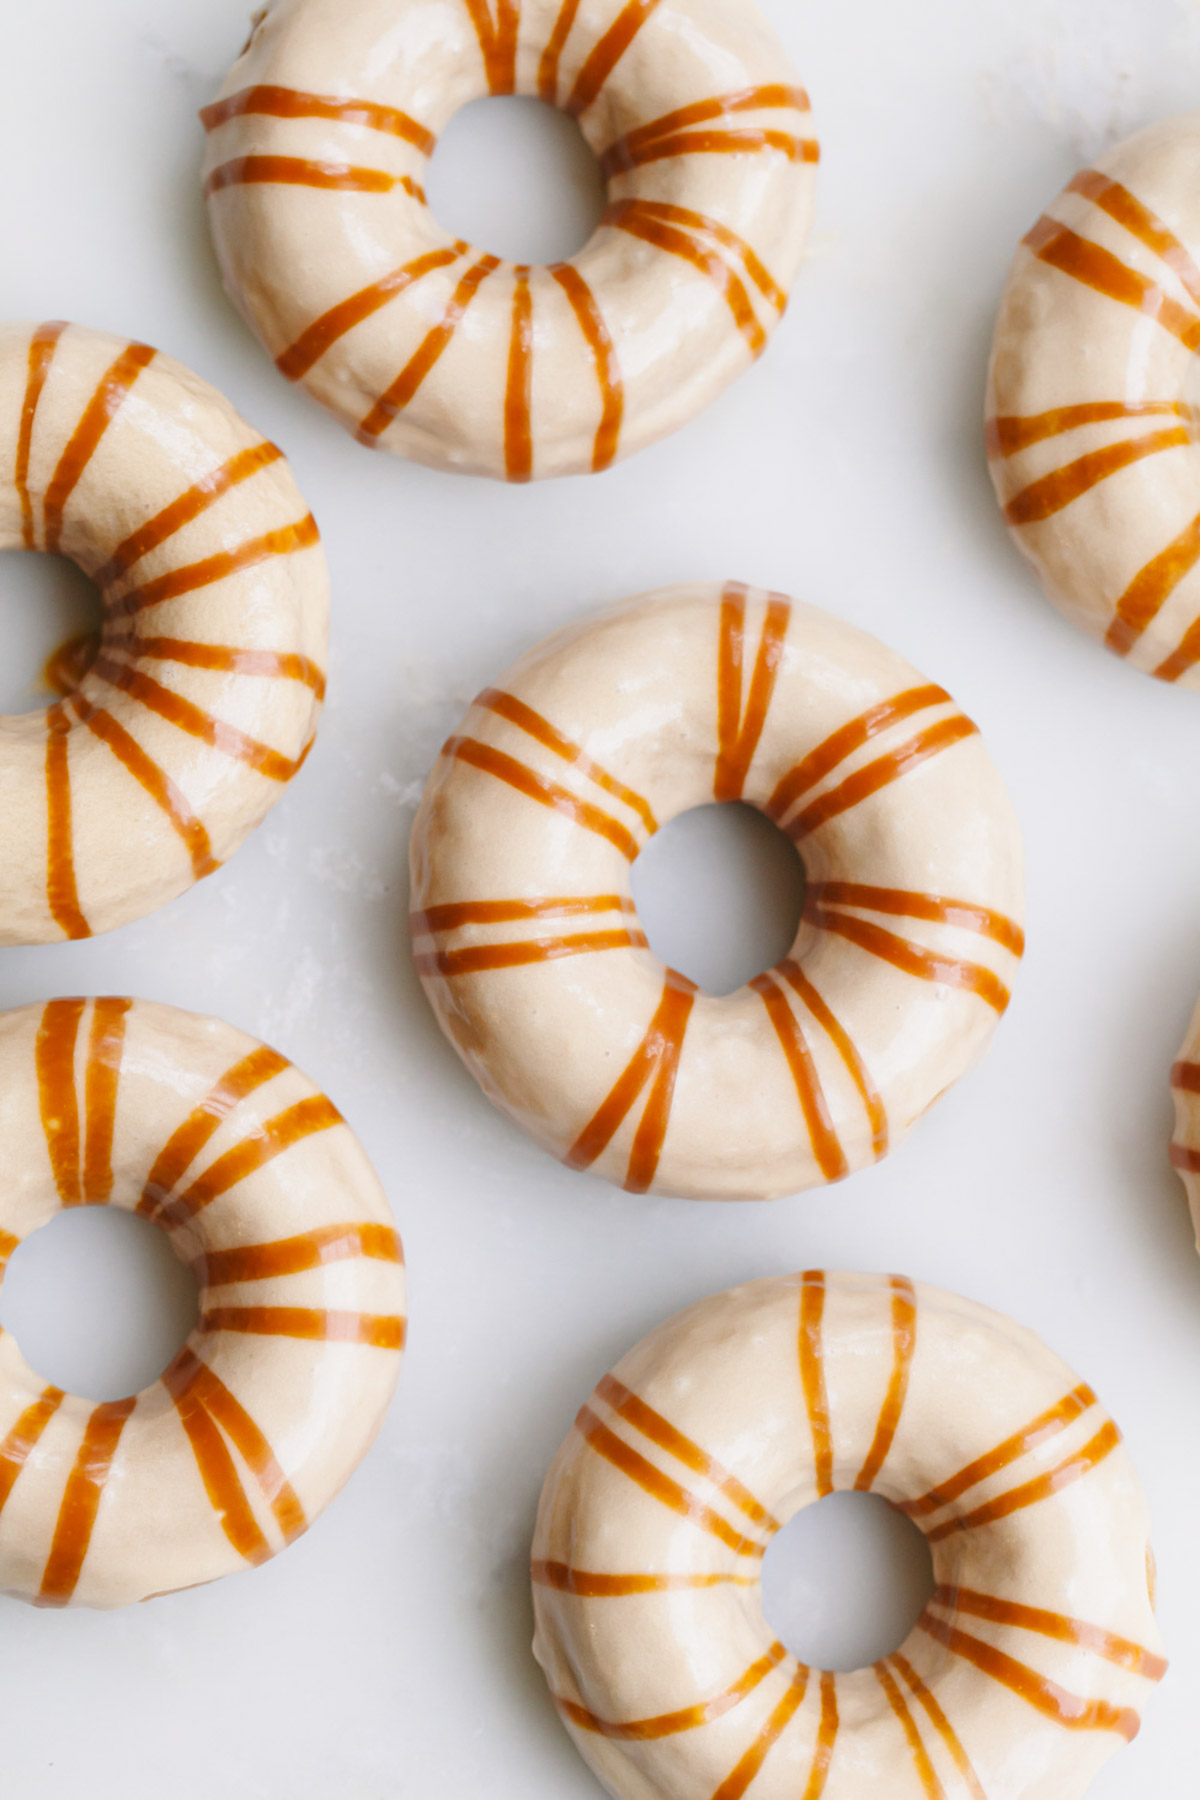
column 91, row 675
column 1185, row 1145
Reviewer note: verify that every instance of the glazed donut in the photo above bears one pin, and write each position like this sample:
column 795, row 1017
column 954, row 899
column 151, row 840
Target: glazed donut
column 201, row 700
column 267, row 1196
column 1185, row 1144
column 421, row 344
column 1092, row 422
column 1032, row 1659
column 529, row 947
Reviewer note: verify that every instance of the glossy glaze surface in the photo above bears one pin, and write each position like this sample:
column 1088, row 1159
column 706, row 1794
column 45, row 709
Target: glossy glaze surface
column 267, row 1196
column 180, row 728
column 1037, row 1651
column 1185, row 1142
column 421, row 344
column 528, row 943
column 1092, row 405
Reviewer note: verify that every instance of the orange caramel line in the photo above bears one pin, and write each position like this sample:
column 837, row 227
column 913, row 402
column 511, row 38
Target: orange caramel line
column 272, row 665
column 67, row 666
column 62, row 890
column 729, row 240
column 518, row 399
column 1047, row 1425
column 1094, row 1638
column 1009, row 434
column 843, row 1043
column 305, row 171
column 748, row 1766
column 324, row 332
column 453, row 916
column 552, row 55
column 625, row 152
column 270, row 1139
column 913, row 959
column 904, row 1344
column 516, row 775
column 192, row 719
column 926, row 1773
column 656, row 1060
column 157, row 783
column 1181, row 659
column 826, row 1146
column 382, row 1331
column 591, row 1586
column 81, row 1501
column 1098, row 268
column 507, row 706
column 16, row 1447
column 1152, row 587
column 1051, row 493
column 1030, row 1493
column 689, row 1718
column 1117, row 201
column 42, row 346
column 600, row 342
column 606, row 53
column 1068, row 1710
column 290, row 1256
column 843, row 742
column 196, row 500
column 228, row 1413
column 58, row 1099
column 185, row 1144
column 1186, row 1075
column 730, row 143
column 218, row 1472
column 882, row 773
column 812, row 1376
column 428, row 351
column 661, row 1487
column 8, row 1243
column 684, row 1449
column 1184, row 1158
column 106, row 1050
column 98, row 415
column 632, row 217
column 283, row 542
column 941, row 1724
column 478, row 958
column 964, row 915
column 294, row 103
column 737, row 736
column 826, row 1737
column 497, row 42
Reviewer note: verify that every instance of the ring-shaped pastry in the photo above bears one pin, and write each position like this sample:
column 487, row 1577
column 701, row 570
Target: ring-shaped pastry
column 528, row 943
column 1093, row 427
column 1026, row 1670
column 420, row 344
column 201, row 700
column 268, row 1197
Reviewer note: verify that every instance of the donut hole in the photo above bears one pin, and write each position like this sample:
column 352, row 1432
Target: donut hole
column 845, row 1581
column 50, row 621
column 515, row 177
column 98, row 1302
column 719, row 892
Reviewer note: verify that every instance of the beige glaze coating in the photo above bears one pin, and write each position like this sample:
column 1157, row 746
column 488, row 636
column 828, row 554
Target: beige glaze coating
column 1092, row 406
column 1026, row 1670
column 267, row 1196
column 527, row 941
column 421, row 344
column 201, row 700
column 1185, row 1144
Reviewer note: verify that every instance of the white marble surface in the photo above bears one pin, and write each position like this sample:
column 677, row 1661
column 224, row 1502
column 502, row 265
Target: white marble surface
column 386, row 1654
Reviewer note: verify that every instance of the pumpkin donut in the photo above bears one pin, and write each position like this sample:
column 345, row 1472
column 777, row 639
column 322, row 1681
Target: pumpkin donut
column 1027, row 1669
column 201, row 700
column 267, row 1196
column 527, row 940
column 421, row 344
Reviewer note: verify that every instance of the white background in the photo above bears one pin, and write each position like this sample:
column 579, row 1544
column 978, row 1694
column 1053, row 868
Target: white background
column 386, row 1654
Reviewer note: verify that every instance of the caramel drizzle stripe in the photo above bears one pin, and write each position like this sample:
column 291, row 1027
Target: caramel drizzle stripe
column 600, row 342
column 926, row 1773
column 507, row 706
column 517, row 775
column 8, row 1243
column 826, row 1146
column 192, row 719
column 1047, row 1425
column 1051, row 493
column 738, row 735
column 196, row 1379
column 81, row 1501
column 826, row 1737
column 843, row 1043
column 185, row 1144
column 307, row 172
column 269, row 1139
column 660, row 1487
column 497, row 42
column 843, row 742
column 62, row 890
column 1097, row 268
column 1152, row 587
column 189, row 506
column 428, row 351
column 941, row 1724
column 294, row 103
column 456, row 914
column 627, row 1405
column 745, row 1770
column 913, row 959
column 556, row 43
column 157, row 783
column 218, row 1472
column 1137, row 218
column 478, row 959
column 1182, row 659
column 626, row 152
column 67, row 666
column 1185, row 1159
column 632, row 217
column 1030, row 1493
column 728, row 239
column 58, row 1098
column 271, row 665
column 731, row 143
column 381, row 1331
column 284, row 542
column 904, row 1345
column 881, row 773
column 42, row 346
column 689, row 1718
column 1010, row 433
column 606, row 53
column 1069, row 1710
column 518, row 398
column 324, row 332
column 98, row 415
column 1186, row 1075
column 291, row 1256
column 591, row 1586
column 812, row 1377
column 1107, row 1645
column 656, row 1060
column 964, row 915
column 106, row 1050
column 23, row 1437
